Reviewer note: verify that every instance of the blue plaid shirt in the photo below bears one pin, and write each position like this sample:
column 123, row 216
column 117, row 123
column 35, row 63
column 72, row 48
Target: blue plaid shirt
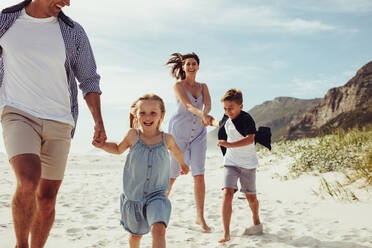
column 80, row 63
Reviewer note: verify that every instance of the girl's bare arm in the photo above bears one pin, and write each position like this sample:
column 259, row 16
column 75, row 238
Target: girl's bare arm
column 176, row 152
column 127, row 142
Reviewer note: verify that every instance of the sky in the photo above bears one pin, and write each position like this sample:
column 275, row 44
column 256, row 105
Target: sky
column 265, row 48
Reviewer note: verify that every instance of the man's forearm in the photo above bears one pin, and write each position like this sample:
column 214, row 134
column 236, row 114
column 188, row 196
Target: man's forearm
column 93, row 101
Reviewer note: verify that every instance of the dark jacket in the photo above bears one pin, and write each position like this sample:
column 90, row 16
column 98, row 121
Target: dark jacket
column 245, row 125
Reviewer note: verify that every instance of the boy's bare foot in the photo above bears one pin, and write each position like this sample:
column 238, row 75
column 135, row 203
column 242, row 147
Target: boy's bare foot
column 205, row 227
column 225, row 239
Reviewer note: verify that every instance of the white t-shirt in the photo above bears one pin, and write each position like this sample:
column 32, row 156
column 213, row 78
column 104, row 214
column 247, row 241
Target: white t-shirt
column 243, row 156
column 35, row 79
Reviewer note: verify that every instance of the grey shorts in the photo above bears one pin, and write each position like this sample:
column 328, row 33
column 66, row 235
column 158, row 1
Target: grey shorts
column 247, row 178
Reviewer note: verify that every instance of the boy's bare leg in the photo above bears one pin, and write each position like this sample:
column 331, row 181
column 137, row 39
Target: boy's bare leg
column 158, row 235
column 134, row 240
column 27, row 169
column 45, row 211
column 254, row 205
column 171, row 182
column 199, row 194
column 228, row 195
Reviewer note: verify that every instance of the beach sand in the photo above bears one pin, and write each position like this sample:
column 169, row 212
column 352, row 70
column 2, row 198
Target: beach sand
column 87, row 211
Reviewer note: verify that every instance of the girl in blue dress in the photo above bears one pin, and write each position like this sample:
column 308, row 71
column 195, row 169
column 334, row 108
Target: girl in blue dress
column 143, row 203
column 187, row 125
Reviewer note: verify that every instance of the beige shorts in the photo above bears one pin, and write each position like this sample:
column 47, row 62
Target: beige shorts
column 50, row 140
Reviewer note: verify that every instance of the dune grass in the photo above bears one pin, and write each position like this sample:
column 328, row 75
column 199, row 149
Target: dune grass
column 348, row 152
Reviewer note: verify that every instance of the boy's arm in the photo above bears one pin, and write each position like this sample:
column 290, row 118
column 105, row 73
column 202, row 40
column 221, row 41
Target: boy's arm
column 247, row 140
column 176, row 152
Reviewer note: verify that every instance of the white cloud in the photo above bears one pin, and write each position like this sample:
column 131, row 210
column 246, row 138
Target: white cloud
column 122, row 85
column 330, row 6
column 316, row 87
column 154, row 18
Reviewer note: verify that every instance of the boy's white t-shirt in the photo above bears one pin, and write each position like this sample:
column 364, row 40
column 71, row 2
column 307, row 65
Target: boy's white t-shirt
column 35, row 79
column 243, row 156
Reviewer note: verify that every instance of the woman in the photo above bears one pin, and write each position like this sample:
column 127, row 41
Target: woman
column 188, row 125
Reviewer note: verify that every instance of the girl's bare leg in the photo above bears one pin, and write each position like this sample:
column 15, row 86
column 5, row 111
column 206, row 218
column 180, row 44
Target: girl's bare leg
column 134, row 240
column 158, row 235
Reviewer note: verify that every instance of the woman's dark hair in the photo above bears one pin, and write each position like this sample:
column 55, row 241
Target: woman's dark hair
column 177, row 60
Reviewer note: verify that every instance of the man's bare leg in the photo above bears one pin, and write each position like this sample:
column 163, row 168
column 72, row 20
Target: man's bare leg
column 134, row 240
column 27, row 169
column 171, row 182
column 158, row 235
column 199, row 194
column 228, row 195
column 254, row 205
column 46, row 196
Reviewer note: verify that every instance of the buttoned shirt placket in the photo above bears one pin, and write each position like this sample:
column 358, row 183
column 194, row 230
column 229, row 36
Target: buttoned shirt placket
column 194, row 120
column 148, row 172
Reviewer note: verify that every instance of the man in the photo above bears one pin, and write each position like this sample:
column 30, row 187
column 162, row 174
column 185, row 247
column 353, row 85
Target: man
column 42, row 51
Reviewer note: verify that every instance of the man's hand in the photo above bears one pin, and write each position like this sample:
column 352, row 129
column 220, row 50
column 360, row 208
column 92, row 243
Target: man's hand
column 99, row 137
column 223, row 143
column 94, row 104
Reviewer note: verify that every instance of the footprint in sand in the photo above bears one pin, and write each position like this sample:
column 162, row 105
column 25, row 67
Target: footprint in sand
column 58, row 221
column 89, row 216
column 5, row 204
column 91, row 228
column 102, row 243
column 213, row 216
column 111, row 227
column 73, row 231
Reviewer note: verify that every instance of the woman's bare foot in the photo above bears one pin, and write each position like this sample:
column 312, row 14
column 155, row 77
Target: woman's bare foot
column 205, row 227
column 225, row 238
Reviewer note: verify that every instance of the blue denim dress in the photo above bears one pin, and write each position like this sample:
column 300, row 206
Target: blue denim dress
column 190, row 136
column 145, row 182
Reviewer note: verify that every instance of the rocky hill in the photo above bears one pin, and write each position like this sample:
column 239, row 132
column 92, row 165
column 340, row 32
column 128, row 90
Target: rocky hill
column 342, row 107
column 279, row 112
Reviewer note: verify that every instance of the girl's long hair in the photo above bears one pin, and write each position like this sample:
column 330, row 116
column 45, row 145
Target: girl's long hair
column 133, row 122
column 176, row 62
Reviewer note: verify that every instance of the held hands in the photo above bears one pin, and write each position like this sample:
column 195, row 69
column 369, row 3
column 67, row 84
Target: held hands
column 184, row 169
column 207, row 120
column 223, row 143
column 99, row 138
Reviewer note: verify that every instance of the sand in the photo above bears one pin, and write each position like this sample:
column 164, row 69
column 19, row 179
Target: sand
column 87, row 211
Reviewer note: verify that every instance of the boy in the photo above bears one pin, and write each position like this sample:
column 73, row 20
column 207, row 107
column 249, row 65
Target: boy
column 236, row 139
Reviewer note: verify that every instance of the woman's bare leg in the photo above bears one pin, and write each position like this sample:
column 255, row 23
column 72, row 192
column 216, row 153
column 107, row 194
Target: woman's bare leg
column 199, row 193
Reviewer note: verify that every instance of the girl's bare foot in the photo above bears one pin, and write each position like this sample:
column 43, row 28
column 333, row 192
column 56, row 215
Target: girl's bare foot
column 225, row 238
column 205, row 227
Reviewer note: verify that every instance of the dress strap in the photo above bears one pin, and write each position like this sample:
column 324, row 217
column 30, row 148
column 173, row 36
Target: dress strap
column 163, row 137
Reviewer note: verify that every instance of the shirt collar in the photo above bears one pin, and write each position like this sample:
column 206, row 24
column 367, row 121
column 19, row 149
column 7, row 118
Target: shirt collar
column 20, row 6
